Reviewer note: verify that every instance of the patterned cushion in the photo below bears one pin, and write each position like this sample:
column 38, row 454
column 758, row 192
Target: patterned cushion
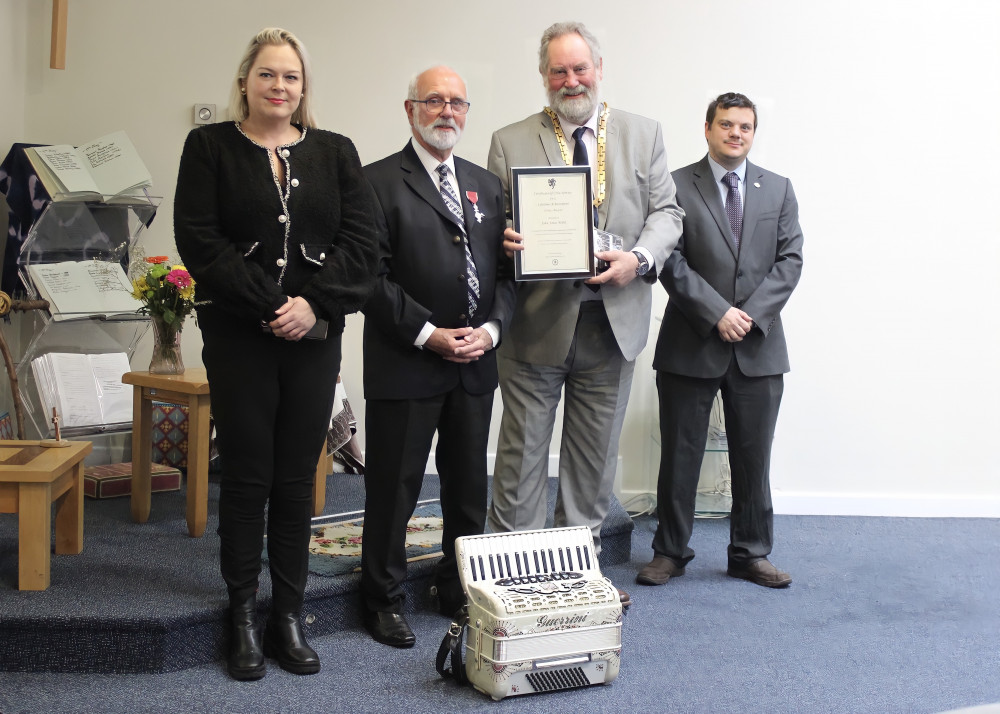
column 170, row 431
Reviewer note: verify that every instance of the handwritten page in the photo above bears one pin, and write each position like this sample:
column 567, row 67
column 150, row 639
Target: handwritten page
column 68, row 166
column 115, row 164
column 80, row 289
column 110, row 278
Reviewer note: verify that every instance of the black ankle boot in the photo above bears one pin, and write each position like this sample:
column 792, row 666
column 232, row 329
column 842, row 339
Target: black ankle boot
column 246, row 656
column 284, row 641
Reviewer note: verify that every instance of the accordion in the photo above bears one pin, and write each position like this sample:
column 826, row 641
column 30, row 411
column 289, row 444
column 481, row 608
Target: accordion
column 541, row 616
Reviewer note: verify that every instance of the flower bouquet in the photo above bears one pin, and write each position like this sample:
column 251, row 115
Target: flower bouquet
column 167, row 296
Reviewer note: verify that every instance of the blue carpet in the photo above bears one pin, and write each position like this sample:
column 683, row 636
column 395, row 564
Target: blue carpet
column 885, row 615
column 144, row 597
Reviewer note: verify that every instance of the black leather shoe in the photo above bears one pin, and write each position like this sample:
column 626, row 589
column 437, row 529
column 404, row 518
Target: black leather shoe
column 451, row 601
column 389, row 628
column 284, row 641
column 761, row 572
column 246, row 657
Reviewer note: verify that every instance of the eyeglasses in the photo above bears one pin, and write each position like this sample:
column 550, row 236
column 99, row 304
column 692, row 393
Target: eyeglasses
column 435, row 105
column 560, row 73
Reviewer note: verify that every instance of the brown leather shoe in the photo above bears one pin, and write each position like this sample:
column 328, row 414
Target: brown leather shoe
column 659, row 571
column 625, row 599
column 761, row 572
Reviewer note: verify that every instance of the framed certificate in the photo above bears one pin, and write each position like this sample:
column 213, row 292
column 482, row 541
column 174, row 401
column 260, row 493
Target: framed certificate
column 553, row 210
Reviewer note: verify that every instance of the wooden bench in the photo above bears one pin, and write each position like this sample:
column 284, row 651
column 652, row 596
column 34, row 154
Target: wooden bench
column 32, row 478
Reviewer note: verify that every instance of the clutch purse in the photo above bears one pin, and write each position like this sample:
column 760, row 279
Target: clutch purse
column 318, row 331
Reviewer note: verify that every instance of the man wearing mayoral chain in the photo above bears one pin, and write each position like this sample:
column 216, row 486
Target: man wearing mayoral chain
column 579, row 335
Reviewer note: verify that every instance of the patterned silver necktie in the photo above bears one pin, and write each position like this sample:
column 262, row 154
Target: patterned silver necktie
column 734, row 206
column 454, row 205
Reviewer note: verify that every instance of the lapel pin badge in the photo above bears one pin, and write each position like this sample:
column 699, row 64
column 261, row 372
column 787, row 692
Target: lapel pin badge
column 756, row 185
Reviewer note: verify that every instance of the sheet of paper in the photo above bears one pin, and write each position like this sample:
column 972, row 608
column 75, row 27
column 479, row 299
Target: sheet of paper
column 114, row 163
column 67, row 166
column 553, row 224
column 115, row 397
column 76, row 390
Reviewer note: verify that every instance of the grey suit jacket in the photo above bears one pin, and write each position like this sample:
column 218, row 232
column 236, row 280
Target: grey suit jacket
column 705, row 276
column 640, row 205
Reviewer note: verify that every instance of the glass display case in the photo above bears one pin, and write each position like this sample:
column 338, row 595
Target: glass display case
column 77, row 253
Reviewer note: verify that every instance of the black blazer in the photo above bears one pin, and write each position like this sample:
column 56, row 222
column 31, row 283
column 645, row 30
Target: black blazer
column 228, row 232
column 421, row 277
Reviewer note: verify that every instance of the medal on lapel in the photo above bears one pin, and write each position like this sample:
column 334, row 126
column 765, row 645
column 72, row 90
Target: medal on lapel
column 473, row 199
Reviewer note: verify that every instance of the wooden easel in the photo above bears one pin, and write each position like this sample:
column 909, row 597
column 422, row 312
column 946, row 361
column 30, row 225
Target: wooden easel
column 6, row 307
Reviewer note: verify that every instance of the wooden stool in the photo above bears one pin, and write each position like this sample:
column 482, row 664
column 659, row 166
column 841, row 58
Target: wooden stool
column 188, row 389
column 32, row 478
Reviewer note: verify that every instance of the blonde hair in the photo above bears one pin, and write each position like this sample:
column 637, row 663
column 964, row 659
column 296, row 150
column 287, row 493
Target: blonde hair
column 272, row 36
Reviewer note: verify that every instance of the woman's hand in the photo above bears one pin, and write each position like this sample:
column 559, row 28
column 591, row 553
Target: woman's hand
column 294, row 319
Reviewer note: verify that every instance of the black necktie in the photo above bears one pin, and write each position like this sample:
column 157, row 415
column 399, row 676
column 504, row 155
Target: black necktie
column 734, row 206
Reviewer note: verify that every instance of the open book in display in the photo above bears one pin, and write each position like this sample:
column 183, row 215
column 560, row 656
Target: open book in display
column 85, row 389
column 100, row 170
column 83, row 289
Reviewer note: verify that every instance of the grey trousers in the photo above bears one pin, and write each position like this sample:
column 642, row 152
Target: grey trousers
column 597, row 381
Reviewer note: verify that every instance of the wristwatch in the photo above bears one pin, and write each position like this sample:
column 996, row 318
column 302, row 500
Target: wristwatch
column 643, row 266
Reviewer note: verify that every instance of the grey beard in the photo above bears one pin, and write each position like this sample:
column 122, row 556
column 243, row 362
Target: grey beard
column 440, row 140
column 572, row 109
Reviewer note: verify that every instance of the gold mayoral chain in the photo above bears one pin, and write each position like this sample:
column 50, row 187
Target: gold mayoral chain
column 602, row 143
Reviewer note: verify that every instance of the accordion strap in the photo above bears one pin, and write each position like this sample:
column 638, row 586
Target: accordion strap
column 452, row 645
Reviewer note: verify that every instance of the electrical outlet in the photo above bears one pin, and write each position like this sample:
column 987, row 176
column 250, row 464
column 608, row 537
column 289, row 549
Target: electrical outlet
column 204, row 113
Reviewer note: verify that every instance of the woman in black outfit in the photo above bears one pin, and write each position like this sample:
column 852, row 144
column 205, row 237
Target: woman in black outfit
column 272, row 217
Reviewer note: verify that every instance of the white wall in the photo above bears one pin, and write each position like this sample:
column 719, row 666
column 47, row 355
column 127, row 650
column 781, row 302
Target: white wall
column 13, row 58
column 878, row 112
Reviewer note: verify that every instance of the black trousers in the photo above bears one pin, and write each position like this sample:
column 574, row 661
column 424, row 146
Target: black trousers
column 271, row 400
column 399, row 435
column 751, row 409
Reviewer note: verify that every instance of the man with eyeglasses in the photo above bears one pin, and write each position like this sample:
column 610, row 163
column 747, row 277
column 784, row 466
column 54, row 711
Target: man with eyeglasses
column 440, row 306
column 581, row 336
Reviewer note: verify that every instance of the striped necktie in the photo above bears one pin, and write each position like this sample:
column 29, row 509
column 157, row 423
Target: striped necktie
column 454, row 205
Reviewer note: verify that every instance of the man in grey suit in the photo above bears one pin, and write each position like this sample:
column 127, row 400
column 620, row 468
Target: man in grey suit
column 734, row 268
column 583, row 336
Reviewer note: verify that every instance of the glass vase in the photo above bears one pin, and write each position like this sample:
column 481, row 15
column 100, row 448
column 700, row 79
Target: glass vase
column 166, row 347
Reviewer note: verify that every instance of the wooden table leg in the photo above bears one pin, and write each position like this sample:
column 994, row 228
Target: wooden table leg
column 34, row 523
column 319, row 487
column 142, row 455
column 69, row 514
column 197, row 464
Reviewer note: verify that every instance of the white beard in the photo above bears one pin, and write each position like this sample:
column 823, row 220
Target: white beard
column 574, row 110
column 440, row 139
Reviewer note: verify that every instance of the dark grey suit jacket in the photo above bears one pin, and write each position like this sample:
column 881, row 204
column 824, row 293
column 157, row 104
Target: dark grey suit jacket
column 421, row 278
column 705, row 276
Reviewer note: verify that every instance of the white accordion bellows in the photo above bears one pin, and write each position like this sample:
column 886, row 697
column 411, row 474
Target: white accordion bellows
column 541, row 615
